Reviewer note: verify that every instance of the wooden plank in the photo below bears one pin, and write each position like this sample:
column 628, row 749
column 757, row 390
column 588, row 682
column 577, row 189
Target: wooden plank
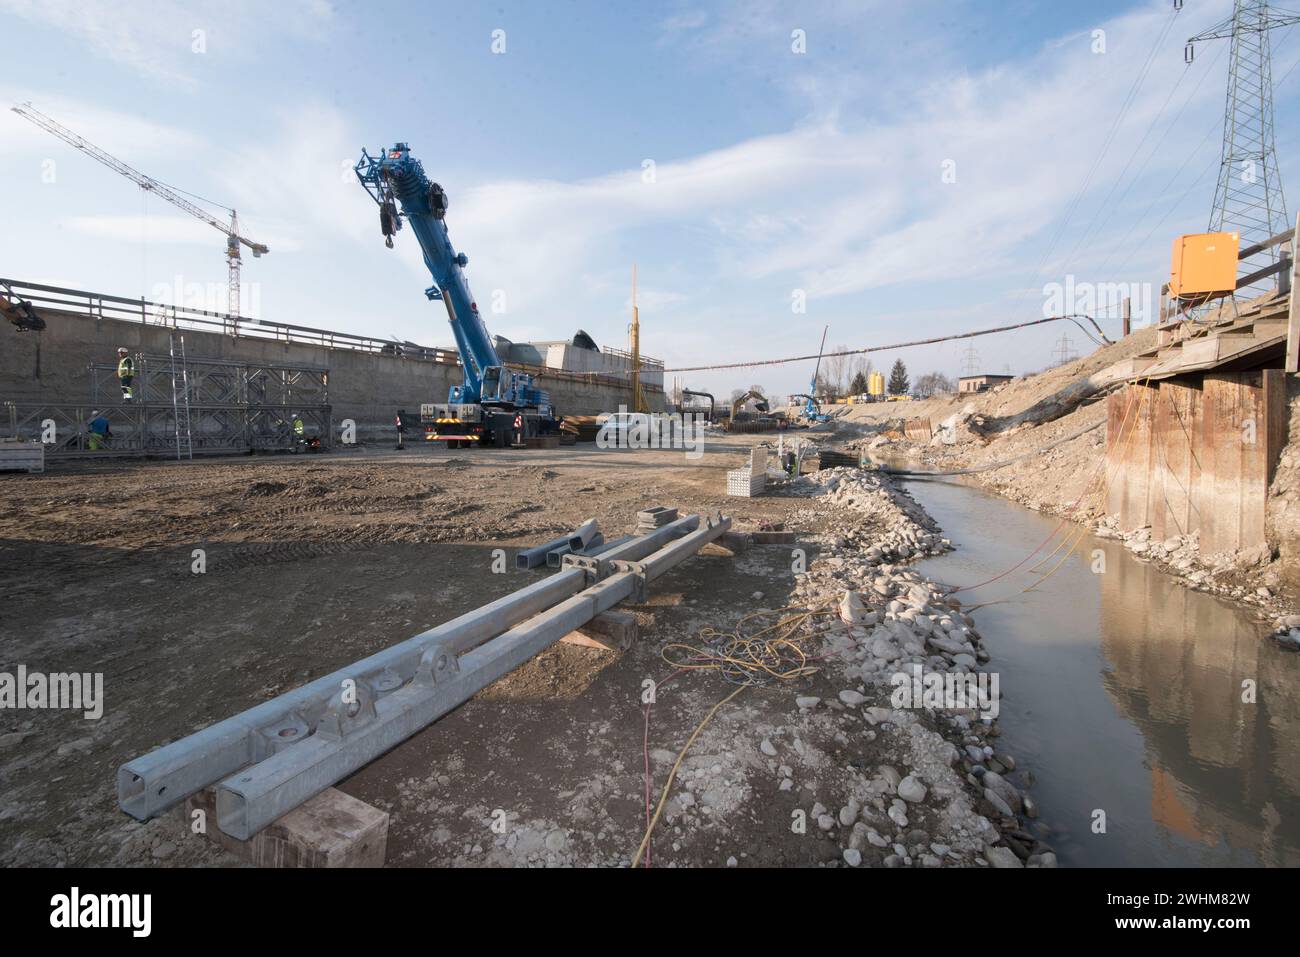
column 1293, row 326
column 1280, row 238
column 1252, row 474
column 610, row 630
column 332, row 829
column 1277, row 409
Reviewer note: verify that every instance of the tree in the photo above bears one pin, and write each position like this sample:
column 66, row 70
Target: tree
column 898, row 381
column 859, row 384
column 934, row 383
column 837, row 371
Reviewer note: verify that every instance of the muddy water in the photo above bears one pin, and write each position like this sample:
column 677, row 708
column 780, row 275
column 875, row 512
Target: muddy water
column 1122, row 692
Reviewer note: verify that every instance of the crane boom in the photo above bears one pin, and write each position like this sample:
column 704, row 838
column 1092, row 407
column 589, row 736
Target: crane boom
column 493, row 405
column 396, row 177
column 233, row 239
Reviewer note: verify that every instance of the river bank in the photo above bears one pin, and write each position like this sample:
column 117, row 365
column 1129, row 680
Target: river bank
column 914, row 667
column 1159, row 721
column 1040, row 441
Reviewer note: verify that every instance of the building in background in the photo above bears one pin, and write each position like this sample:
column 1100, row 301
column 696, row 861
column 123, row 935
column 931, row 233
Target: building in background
column 981, row 383
column 580, row 354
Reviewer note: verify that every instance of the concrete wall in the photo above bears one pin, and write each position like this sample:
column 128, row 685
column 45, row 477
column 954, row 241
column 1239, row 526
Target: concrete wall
column 1196, row 454
column 52, row 367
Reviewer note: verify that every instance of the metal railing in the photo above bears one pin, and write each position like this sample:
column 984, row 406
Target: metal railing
column 96, row 305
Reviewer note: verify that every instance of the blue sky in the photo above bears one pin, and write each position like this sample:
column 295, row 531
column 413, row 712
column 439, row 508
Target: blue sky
column 774, row 171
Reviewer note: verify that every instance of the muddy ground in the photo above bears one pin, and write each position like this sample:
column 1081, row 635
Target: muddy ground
column 317, row 561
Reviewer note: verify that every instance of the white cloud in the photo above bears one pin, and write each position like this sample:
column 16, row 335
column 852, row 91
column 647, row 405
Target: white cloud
column 157, row 39
column 130, row 137
column 841, row 210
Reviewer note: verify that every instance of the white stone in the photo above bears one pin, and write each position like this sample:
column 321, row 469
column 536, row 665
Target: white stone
column 911, row 790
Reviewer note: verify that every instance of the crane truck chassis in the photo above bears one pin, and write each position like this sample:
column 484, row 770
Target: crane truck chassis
column 493, row 406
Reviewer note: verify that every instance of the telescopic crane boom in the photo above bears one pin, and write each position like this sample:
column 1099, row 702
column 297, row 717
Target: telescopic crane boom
column 231, row 230
column 475, row 410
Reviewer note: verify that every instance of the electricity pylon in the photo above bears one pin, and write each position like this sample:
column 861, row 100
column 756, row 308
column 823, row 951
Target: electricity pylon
column 1249, row 198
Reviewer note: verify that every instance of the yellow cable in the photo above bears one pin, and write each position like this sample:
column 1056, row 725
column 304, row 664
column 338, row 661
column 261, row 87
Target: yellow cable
column 663, row 797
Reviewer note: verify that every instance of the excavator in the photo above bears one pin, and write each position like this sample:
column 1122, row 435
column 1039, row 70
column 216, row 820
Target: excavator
column 760, row 405
column 703, row 395
column 493, row 406
column 18, row 310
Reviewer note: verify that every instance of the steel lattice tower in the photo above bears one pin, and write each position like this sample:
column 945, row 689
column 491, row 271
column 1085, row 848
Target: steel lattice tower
column 1249, row 198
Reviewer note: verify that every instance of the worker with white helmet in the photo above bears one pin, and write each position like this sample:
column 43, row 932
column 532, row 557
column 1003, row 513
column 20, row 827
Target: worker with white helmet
column 126, row 374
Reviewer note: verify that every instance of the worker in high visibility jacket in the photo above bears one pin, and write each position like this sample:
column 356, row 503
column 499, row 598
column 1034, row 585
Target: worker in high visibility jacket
column 299, row 430
column 99, row 431
column 401, row 427
column 519, row 429
column 126, row 374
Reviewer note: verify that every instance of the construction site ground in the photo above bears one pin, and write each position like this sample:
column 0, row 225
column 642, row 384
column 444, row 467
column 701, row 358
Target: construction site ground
column 313, row 562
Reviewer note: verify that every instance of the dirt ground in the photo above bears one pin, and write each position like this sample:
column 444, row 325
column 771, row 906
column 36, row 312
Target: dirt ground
column 316, row 561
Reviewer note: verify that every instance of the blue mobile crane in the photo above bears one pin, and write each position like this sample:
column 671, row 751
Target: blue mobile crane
column 493, row 406
column 812, row 410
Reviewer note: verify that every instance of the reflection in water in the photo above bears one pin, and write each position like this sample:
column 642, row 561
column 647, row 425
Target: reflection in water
column 1129, row 694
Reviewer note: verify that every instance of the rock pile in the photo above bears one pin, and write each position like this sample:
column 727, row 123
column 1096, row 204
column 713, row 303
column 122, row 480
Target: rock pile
column 946, row 797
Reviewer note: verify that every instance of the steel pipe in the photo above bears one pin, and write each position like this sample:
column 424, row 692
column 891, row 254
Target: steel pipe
column 269, row 759
column 575, row 541
column 251, row 799
column 638, row 546
column 151, row 784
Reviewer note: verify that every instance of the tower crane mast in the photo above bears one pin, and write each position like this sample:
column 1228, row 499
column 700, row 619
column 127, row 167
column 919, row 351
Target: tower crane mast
column 231, row 230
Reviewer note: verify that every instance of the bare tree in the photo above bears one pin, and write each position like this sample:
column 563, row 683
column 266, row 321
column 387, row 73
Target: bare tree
column 838, row 372
column 934, row 383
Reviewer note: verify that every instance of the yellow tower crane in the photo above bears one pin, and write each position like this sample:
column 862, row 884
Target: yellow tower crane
column 638, row 395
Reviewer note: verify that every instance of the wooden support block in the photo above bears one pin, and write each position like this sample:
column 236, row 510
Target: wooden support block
column 727, row 545
column 610, row 630
column 772, row 538
column 332, row 829
column 1293, row 326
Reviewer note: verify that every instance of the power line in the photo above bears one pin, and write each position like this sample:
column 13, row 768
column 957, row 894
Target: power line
column 1110, row 138
column 897, row 345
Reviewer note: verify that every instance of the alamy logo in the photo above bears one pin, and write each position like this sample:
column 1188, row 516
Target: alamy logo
column 652, row 430
column 1098, row 299
column 939, row 691
column 73, row 691
column 103, row 910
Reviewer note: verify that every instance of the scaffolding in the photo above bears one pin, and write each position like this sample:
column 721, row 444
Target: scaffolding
column 186, row 406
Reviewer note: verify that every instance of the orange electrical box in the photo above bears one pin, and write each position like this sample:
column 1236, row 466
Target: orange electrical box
column 1204, row 265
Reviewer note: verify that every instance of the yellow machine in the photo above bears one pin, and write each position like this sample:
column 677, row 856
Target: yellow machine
column 1204, row 266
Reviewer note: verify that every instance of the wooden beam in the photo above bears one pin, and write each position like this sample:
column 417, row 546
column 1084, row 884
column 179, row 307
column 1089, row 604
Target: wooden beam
column 610, row 630
column 1259, row 274
column 1260, row 247
column 1293, row 327
column 332, row 829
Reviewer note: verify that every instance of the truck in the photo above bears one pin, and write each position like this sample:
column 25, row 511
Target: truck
column 493, row 406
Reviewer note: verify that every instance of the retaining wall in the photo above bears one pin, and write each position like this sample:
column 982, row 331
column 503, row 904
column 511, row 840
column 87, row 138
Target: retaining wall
column 1197, row 454
column 51, row 367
